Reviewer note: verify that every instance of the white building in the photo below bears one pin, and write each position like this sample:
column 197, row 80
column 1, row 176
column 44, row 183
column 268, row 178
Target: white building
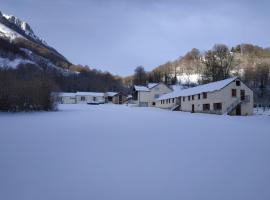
column 90, row 97
column 229, row 96
column 116, row 97
column 147, row 95
column 66, row 98
column 109, row 96
column 81, row 98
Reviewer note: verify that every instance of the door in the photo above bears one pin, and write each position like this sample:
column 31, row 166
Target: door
column 243, row 95
column 178, row 101
column 120, row 99
column 238, row 110
column 192, row 108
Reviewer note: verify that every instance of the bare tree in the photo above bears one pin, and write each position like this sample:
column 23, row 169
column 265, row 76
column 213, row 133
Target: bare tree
column 218, row 63
column 140, row 76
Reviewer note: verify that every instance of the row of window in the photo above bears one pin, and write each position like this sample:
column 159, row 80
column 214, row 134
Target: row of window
column 216, row 106
column 84, row 99
column 167, row 101
column 192, row 97
column 204, row 96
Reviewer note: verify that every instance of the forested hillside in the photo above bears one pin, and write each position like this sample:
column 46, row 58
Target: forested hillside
column 251, row 63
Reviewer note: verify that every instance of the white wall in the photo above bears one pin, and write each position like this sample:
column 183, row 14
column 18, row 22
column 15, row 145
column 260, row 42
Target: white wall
column 156, row 92
column 89, row 98
column 143, row 98
column 68, row 100
column 148, row 98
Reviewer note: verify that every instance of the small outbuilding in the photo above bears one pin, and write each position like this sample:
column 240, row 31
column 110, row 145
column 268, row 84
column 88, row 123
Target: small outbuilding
column 109, row 96
column 116, row 97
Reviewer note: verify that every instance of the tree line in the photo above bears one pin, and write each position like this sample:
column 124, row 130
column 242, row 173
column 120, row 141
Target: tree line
column 29, row 87
column 26, row 88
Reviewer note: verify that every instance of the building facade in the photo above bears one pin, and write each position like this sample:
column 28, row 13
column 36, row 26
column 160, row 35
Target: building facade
column 147, row 95
column 66, row 98
column 90, row 97
column 229, row 96
column 115, row 97
column 81, row 98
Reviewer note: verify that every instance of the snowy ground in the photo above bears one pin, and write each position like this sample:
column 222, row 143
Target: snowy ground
column 111, row 152
column 261, row 111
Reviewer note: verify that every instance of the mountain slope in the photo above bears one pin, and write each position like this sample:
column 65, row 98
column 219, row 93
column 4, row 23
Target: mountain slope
column 18, row 41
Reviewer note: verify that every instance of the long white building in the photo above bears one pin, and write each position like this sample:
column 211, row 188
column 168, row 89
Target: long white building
column 229, row 96
column 81, row 98
column 66, row 98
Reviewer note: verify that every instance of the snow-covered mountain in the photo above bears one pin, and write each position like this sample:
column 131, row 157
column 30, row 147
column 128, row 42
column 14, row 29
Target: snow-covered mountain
column 24, row 26
column 20, row 45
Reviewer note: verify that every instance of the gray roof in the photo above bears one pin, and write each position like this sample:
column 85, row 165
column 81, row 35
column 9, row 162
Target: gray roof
column 210, row 87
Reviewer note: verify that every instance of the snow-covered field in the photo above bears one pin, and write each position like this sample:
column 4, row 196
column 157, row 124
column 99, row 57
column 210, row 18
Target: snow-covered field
column 111, row 152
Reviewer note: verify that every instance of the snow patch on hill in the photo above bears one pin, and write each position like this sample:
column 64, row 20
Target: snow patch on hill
column 5, row 62
column 8, row 33
column 24, row 26
column 189, row 78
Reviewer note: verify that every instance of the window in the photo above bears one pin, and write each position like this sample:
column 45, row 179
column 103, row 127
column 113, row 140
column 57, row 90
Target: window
column 169, row 100
column 192, row 97
column 172, row 100
column 204, row 95
column 82, row 98
column 238, row 83
column 217, row 106
column 188, row 98
column 94, row 98
column 183, row 98
column 233, row 92
column 156, row 96
column 156, row 88
column 199, row 96
column 206, row 107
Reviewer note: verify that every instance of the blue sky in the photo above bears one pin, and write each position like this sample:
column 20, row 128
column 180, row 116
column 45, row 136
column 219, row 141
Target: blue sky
column 118, row 35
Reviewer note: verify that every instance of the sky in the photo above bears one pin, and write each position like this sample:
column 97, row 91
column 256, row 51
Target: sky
column 119, row 35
